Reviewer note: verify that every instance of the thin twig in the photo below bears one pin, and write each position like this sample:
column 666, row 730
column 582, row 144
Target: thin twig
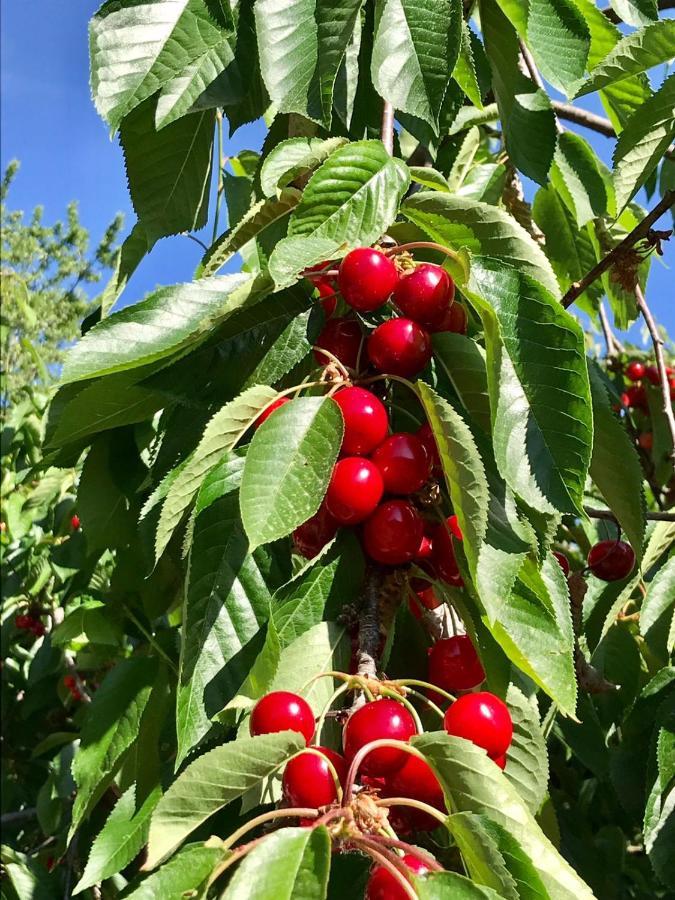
column 21, row 815
column 609, row 515
column 592, row 121
column 387, row 127
column 640, row 232
column 531, row 67
column 369, row 630
column 657, row 341
column 610, row 340
column 195, row 239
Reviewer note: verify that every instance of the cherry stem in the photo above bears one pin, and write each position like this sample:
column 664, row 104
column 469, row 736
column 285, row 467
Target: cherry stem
column 234, row 857
column 399, row 378
column 297, row 812
column 415, row 804
column 389, row 861
column 427, row 701
column 425, row 245
column 405, row 682
column 322, row 718
column 425, row 856
column 361, row 754
column 342, row 676
column 336, row 362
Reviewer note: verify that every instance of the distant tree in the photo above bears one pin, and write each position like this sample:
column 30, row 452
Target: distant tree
column 43, row 275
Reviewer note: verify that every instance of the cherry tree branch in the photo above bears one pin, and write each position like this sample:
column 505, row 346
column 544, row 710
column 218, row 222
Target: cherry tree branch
column 387, row 127
column 609, row 515
column 657, row 341
column 369, row 630
column 610, row 339
column 591, row 121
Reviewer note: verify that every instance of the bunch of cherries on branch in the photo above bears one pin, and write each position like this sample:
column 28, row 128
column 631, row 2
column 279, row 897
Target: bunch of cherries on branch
column 637, row 375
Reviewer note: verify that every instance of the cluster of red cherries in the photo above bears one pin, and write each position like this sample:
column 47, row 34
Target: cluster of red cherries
column 70, row 683
column 30, row 622
column 610, row 560
column 634, row 398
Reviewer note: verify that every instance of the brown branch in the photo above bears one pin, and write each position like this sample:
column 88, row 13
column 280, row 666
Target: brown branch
column 640, row 232
column 387, row 127
column 583, row 117
column 531, row 67
column 369, row 630
column 609, row 336
column 590, row 680
column 609, row 515
column 657, row 341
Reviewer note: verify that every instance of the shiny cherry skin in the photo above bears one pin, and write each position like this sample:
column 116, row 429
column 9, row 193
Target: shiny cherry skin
column 443, row 555
column 652, row 375
column 500, row 761
column 403, row 462
column 425, row 295
column 454, row 664
column 399, row 347
column 282, row 711
column 342, row 338
column 416, row 780
column 313, row 535
column 646, row 440
column 367, row 278
column 371, row 722
column 392, row 535
column 426, row 435
column 455, row 319
column 453, row 525
column 308, row 780
column 383, row 886
column 483, row 719
column 564, row 562
column 75, row 522
column 365, row 418
column 424, row 597
column 637, row 397
column 611, row 560
column 425, row 548
column 354, row 491
column 635, row 370
column 273, row 407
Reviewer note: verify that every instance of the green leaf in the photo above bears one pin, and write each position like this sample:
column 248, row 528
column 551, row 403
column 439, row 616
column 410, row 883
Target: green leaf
column 635, row 12
column 324, row 647
column 353, row 197
column 101, row 503
column 429, row 178
column 290, row 864
column 211, row 782
column 287, row 351
column 168, row 171
column 220, row 435
column 293, row 255
column 134, row 249
column 481, row 229
column 464, row 72
column 451, row 886
column 293, row 159
column 659, row 603
column 415, row 46
column 615, row 467
column 659, row 832
column 642, row 143
column 527, row 757
column 226, row 603
column 120, row 840
column 181, row 877
column 221, row 480
column 87, row 624
column 472, row 783
column 577, row 177
column 288, row 467
column 635, row 53
column 560, row 41
column 109, row 729
column 525, row 110
column 463, row 361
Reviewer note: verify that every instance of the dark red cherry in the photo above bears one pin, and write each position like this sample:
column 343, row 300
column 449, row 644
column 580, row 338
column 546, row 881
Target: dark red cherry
column 308, row 780
column 366, row 278
column 483, row 719
column 282, row 711
column 341, row 337
column 443, row 555
column 416, row 780
column 273, row 407
column 403, row 462
column 652, row 375
column 38, row 628
column 454, row 664
column 646, row 440
column 635, row 370
column 425, row 548
column 611, row 560
column 365, row 418
column 455, row 320
column 75, row 522
column 399, row 347
column 313, row 535
column 425, row 295
column 426, row 435
column 354, row 491
column 382, row 885
column 392, row 535
column 453, row 525
column 371, row 722
column 23, row 621
column 564, row 562
column 637, row 397
column 500, row 761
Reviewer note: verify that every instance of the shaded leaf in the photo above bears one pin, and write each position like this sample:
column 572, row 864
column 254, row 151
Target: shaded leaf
column 185, row 873
column 527, row 757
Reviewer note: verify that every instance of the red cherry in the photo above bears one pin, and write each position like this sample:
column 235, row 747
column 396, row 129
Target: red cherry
column 38, row 629
column 646, row 440
column 425, row 548
column 637, row 397
column 313, row 535
column 75, row 522
column 403, row 462
column 611, row 560
column 382, row 885
column 483, row 719
column 366, row 420
column 500, row 761
column 399, row 347
column 70, row 682
column 635, row 370
column 453, row 525
column 266, row 413
column 366, row 278
column 308, row 780
column 652, row 375
column 625, row 399
column 426, row 597
column 23, row 621
column 371, row 722
column 564, row 562
column 455, row 320
column 282, row 711
column 416, row 780
column 426, row 435
column 454, row 664
column 392, row 535
column 425, row 295
column 354, row 491
column 443, row 555
column 341, row 338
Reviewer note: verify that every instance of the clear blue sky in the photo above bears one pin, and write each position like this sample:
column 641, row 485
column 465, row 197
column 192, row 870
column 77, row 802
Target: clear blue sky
column 49, row 123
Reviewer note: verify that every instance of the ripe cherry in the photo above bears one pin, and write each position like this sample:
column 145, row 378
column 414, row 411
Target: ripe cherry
column 313, row 535
column 443, row 555
column 500, row 761
column 23, row 621
column 366, row 278
column 273, row 407
column 354, row 491
column 637, row 397
column 308, row 780
column 426, row 597
column 646, row 440
column 416, row 780
column 382, row 885
column 635, row 370
column 652, row 375
column 282, row 711
column 425, row 548
column 564, row 562
column 392, row 535
column 399, row 347
column 403, row 463
column 455, row 530
column 75, row 522
column 366, row 420
column 483, row 719
column 38, row 628
column 455, row 320
column 425, row 295
column 426, row 435
column 454, row 664
column 371, row 722
column 611, row 560
column 341, row 337
column 70, row 682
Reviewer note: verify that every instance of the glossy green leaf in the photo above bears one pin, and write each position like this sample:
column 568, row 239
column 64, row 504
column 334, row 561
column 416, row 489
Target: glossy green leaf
column 134, row 249
column 184, row 875
column 87, row 624
column 451, row 886
column 560, row 41
column 659, row 603
column 293, row 255
column 577, row 177
column 463, row 361
column 635, row 12
column 429, row 178
column 288, row 467
column 464, row 72
column 527, row 757
column 294, row 158
column 323, row 648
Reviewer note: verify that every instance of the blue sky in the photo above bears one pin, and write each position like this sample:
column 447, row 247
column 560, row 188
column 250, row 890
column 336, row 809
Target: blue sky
column 49, row 123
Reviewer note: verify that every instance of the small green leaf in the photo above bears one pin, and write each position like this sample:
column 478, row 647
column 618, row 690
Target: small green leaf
column 183, row 876
column 451, row 886
column 464, row 72
column 577, row 177
column 635, row 12
column 463, row 361
column 560, row 41
column 659, row 603
column 294, row 158
column 527, row 757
